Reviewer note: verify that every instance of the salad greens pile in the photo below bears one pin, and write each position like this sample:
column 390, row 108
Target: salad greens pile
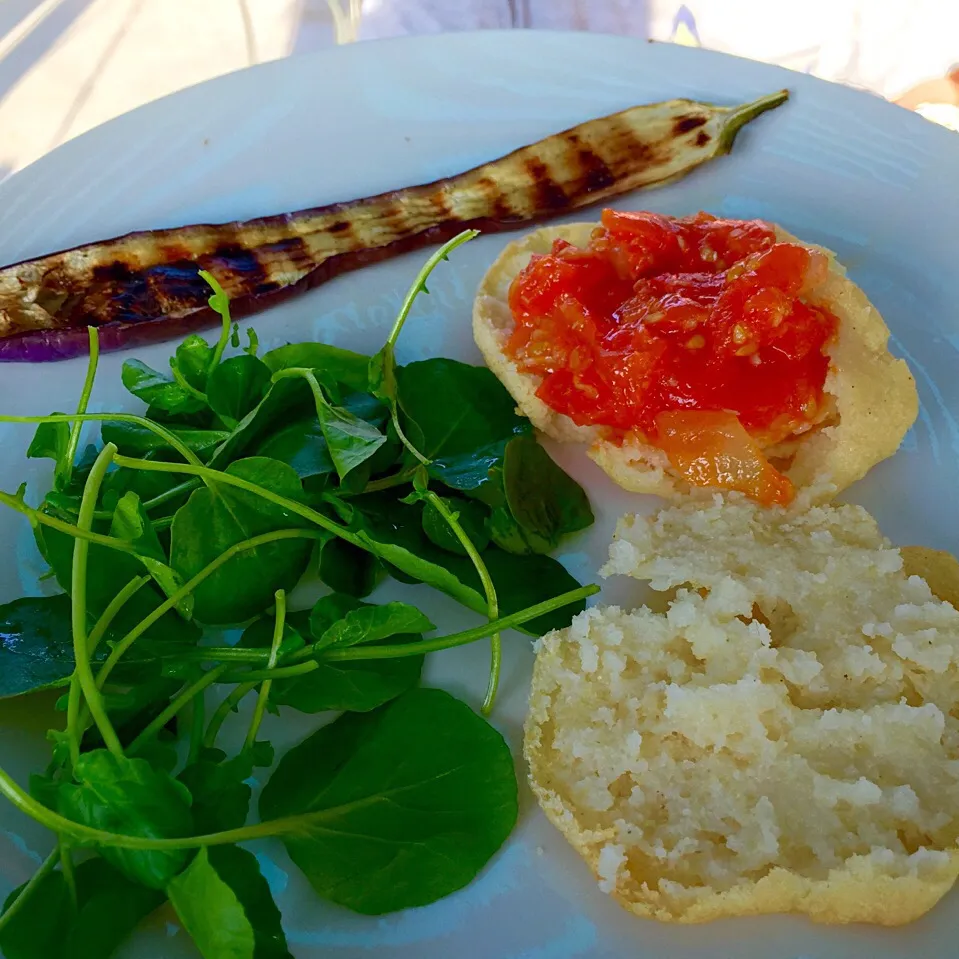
column 245, row 475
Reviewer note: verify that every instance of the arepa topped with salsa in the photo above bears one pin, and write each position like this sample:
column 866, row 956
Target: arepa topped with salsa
column 696, row 352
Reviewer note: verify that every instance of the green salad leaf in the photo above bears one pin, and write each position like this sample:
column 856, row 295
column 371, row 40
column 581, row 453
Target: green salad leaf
column 211, row 911
column 158, row 390
column 130, row 797
column 237, row 385
column 36, row 649
column 218, row 517
column 423, row 826
column 465, row 435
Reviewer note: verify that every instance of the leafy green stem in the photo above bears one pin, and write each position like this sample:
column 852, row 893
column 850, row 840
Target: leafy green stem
column 44, row 519
column 264, row 695
column 399, row 650
column 383, row 364
column 65, row 467
column 183, row 382
column 93, row 640
column 69, row 877
column 226, row 707
column 419, row 284
column 386, row 482
column 220, row 303
column 215, row 476
column 179, row 702
column 78, row 596
column 22, row 800
column 197, row 724
column 46, row 867
column 166, row 435
column 159, row 500
column 496, row 646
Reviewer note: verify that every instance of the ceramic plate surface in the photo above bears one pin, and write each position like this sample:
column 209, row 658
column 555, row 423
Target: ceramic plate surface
column 837, row 167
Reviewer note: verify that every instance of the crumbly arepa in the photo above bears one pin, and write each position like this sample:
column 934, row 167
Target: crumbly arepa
column 873, row 394
column 785, row 738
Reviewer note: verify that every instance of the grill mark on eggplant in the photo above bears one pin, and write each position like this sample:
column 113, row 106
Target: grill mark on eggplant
column 686, row 124
column 144, row 286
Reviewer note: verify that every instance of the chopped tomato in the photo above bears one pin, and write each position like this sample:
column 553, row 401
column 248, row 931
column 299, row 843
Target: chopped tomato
column 658, row 314
column 714, row 449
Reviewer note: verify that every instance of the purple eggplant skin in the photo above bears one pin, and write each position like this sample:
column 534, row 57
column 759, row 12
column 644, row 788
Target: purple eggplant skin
column 145, row 287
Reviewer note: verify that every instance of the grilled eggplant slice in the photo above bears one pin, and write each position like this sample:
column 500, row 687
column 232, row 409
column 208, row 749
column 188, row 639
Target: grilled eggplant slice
column 144, row 286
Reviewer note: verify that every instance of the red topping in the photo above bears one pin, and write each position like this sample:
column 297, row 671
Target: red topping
column 660, row 314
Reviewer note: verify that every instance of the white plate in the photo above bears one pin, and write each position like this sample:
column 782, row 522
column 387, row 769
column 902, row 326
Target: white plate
column 875, row 183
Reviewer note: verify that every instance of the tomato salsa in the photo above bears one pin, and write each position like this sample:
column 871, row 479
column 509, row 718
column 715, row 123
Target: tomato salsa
column 661, row 321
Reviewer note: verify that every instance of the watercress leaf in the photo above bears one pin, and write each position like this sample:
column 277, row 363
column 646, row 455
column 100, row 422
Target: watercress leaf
column 132, row 707
column 356, row 686
column 44, row 788
column 237, row 385
column 193, row 358
column 241, row 870
column 129, row 797
column 262, row 753
column 108, row 570
column 523, row 581
column 38, row 929
column 130, row 522
column 302, row 445
column 50, row 442
column 464, row 417
column 109, row 908
column 158, row 390
column 343, row 366
column 542, row 498
column 160, row 752
column 508, row 535
column 221, row 795
column 132, row 439
column 368, row 624
column 328, row 610
column 378, row 834
column 36, row 645
column 470, row 514
column 346, row 569
column 350, row 440
column 393, row 531
column 211, row 911
column 286, row 400
column 253, row 342
column 219, row 516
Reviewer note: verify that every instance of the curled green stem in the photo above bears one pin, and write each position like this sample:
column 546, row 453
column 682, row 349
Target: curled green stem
column 44, row 519
column 177, row 704
column 223, row 710
column 492, row 604
column 78, row 597
column 264, row 694
column 93, row 640
column 65, row 467
column 46, row 867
